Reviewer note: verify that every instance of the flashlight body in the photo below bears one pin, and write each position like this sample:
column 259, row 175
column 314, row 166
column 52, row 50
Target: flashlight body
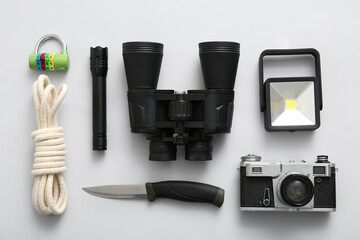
column 99, row 67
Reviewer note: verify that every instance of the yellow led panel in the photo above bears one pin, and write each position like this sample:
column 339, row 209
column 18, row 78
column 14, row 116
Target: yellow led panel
column 291, row 104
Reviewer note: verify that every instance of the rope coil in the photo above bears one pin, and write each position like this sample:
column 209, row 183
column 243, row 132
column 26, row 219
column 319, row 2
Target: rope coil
column 49, row 191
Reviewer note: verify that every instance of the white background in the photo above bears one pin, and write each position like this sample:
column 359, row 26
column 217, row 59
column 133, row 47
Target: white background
column 330, row 26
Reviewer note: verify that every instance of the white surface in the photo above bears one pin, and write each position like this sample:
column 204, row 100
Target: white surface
column 330, row 26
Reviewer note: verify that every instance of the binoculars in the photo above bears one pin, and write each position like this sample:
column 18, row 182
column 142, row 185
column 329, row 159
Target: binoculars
column 169, row 118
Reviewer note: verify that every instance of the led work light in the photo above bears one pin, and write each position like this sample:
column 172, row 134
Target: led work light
column 291, row 103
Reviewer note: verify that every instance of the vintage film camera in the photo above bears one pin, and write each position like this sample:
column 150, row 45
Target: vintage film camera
column 292, row 186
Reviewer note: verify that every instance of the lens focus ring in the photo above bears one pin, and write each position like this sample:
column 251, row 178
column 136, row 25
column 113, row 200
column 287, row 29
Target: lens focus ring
column 297, row 190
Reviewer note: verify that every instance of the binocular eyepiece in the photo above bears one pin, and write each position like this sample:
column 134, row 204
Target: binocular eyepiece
column 168, row 118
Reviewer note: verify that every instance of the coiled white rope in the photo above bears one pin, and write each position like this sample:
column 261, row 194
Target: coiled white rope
column 49, row 194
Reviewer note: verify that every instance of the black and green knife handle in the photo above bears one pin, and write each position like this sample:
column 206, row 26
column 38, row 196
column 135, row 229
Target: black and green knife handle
column 186, row 192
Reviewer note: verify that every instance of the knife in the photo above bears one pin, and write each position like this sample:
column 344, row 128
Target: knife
column 178, row 190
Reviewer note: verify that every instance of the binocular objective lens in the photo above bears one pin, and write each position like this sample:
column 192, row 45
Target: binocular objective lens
column 219, row 62
column 142, row 64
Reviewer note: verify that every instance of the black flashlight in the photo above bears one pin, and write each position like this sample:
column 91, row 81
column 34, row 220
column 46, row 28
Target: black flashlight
column 99, row 67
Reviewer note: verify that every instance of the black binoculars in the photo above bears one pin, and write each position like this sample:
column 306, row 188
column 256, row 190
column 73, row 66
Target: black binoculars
column 169, row 118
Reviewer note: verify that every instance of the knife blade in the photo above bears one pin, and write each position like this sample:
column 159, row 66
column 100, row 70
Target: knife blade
column 178, row 190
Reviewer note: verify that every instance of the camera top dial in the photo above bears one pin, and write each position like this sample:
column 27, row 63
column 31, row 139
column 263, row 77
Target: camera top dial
column 251, row 157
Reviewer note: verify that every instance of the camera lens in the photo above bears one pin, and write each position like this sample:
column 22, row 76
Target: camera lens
column 297, row 190
column 142, row 64
column 219, row 62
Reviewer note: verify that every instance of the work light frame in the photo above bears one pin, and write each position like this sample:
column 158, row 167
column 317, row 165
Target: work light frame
column 264, row 87
column 267, row 113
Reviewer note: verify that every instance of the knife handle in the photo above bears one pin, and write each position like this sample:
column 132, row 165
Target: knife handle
column 186, row 192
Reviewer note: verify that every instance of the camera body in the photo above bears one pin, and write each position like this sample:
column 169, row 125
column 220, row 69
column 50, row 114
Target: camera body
column 292, row 186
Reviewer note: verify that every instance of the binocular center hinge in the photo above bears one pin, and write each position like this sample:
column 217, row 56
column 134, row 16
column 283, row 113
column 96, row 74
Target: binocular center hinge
column 179, row 139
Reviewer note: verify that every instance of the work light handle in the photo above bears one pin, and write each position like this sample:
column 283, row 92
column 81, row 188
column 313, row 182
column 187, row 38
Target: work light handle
column 287, row 52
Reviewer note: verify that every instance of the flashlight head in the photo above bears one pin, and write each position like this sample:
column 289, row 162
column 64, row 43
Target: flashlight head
column 99, row 61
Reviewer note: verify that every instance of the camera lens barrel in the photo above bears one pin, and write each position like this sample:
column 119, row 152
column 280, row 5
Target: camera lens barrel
column 142, row 64
column 219, row 62
column 297, row 190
